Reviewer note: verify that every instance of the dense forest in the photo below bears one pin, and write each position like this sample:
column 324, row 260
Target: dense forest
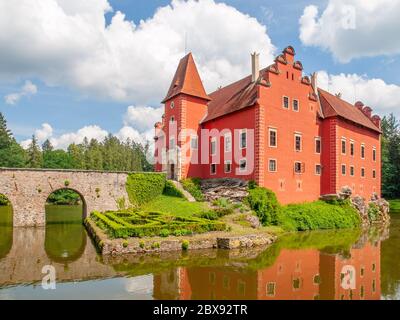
column 108, row 155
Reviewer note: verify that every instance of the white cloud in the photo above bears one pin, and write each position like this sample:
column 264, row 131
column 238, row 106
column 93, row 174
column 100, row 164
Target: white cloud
column 138, row 126
column 142, row 118
column 28, row 89
column 353, row 28
column 383, row 98
column 70, row 44
column 44, row 133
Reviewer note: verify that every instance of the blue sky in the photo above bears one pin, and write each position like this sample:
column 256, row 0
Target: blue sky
column 68, row 107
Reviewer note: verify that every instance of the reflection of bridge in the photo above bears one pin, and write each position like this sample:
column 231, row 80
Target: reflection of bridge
column 24, row 263
column 28, row 190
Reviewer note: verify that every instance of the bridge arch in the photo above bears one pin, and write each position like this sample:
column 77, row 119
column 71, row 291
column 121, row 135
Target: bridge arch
column 6, row 226
column 73, row 190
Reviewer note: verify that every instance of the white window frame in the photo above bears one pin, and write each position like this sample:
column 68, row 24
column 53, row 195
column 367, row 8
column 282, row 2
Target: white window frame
column 283, row 103
column 172, row 119
column 374, row 174
column 374, row 154
column 276, row 165
column 243, row 131
column 320, row 169
column 345, row 169
column 320, row 145
column 228, row 135
column 276, row 137
column 213, row 140
column 211, row 166
column 226, row 163
column 298, row 105
column 296, row 135
column 361, row 151
column 240, row 165
column 345, row 146
column 194, row 138
column 172, row 105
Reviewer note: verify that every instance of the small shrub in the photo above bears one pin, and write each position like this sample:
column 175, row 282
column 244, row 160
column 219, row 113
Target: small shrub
column 155, row 245
column 171, row 190
column 373, row 212
column 209, row 215
column 221, row 202
column 125, row 244
column 67, row 183
column 141, row 244
column 222, row 212
column 265, row 204
column 193, row 186
column 185, row 245
column 164, row 233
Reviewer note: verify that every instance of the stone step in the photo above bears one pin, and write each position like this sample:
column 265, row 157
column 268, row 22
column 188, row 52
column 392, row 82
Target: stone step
column 187, row 195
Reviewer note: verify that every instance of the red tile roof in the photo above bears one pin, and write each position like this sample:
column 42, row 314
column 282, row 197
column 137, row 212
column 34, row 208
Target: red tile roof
column 232, row 98
column 334, row 106
column 187, row 80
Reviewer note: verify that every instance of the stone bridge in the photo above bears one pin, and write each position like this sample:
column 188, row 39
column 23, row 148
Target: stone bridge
column 28, row 190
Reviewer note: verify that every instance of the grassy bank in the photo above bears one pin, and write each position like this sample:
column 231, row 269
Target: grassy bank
column 317, row 215
column 395, row 206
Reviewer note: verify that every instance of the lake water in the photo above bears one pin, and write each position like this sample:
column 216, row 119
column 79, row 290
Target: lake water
column 318, row 265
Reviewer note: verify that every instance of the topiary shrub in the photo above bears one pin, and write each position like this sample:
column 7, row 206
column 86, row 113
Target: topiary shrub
column 185, row 245
column 143, row 187
column 172, row 191
column 193, row 186
column 265, row 204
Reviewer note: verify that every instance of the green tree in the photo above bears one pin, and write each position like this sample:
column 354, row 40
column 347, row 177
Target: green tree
column 390, row 157
column 12, row 155
column 35, row 159
column 77, row 156
column 47, row 146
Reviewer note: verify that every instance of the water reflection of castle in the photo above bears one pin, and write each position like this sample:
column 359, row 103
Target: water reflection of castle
column 296, row 274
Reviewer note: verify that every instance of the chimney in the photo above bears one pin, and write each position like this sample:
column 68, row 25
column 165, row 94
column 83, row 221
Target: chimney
column 255, row 66
column 314, row 82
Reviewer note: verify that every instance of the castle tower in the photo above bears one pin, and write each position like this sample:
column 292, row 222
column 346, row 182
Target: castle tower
column 185, row 106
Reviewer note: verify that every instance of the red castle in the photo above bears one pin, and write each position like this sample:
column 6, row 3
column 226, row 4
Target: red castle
column 275, row 127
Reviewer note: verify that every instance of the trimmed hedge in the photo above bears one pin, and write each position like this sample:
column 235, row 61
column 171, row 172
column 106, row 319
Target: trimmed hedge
column 143, row 187
column 192, row 185
column 143, row 224
column 171, row 190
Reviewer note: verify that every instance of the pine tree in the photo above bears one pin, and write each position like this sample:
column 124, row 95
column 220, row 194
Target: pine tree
column 47, row 146
column 35, row 159
column 5, row 134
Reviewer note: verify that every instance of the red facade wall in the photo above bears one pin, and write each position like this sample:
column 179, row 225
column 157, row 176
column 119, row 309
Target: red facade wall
column 289, row 186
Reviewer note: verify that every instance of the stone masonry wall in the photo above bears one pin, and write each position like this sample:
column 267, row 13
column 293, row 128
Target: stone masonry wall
column 28, row 190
